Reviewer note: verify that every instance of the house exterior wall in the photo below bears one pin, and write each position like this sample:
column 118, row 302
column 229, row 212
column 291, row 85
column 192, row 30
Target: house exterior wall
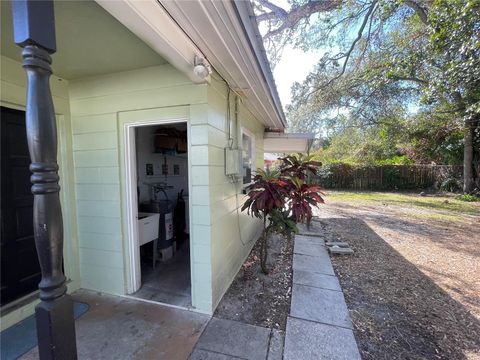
column 99, row 108
column 233, row 233
column 89, row 119
column 13, row 95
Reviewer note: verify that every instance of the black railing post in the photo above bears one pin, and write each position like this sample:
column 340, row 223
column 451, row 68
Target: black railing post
column 34, row 31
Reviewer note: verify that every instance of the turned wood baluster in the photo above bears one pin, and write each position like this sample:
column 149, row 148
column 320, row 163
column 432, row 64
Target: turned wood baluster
column 34, row 30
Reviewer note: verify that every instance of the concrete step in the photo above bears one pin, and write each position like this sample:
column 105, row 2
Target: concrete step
column 336, row 243
column 340, row 250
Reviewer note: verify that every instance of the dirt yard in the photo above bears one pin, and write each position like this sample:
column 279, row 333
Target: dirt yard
column 413, row 283
column 258, row 299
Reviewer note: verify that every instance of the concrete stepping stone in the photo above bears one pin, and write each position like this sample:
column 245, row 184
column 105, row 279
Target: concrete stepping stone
column 318, row 264
column 308, row 248
column 309, row 233
column 340, row 250
column 322, row 281
column 314, row 230
column 198, row 354
column 321, row 305
column 234, row 338
column 275, row 348
column 307, row 340
column 337, row 243
column 310, row 239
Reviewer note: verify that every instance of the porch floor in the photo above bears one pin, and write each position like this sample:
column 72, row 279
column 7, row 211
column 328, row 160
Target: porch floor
column 169, row 282
column 120, row 328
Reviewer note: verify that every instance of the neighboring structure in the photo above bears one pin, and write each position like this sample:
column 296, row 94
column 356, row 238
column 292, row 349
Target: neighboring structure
column 124, row 64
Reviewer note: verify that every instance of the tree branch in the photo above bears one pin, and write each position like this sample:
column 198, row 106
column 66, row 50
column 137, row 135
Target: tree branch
column 357, row 39
column 419, row 10
column 266, row 16
column 275, row 9
column 292, row 18
column 367, row 41
column 352, row 47
column 410, row 78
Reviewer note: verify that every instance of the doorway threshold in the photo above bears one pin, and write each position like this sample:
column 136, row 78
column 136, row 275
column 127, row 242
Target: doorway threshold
column 155, row 302
column 18, row 303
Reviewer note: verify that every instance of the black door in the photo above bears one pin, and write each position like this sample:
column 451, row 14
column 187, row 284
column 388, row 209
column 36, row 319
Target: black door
column 20, row 271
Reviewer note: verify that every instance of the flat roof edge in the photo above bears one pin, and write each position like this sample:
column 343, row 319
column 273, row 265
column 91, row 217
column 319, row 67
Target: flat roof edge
column 276, row 135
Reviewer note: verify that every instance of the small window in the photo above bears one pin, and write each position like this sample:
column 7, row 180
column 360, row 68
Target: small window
column 248, row 157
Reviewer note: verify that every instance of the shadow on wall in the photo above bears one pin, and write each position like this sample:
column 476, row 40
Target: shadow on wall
column 398, row 312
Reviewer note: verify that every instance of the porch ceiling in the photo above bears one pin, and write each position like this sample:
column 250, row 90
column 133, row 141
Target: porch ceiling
column 89, row 41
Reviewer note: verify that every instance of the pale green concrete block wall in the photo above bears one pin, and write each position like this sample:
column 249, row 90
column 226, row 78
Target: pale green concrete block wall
column 13, row 95
column 199, row 201
column 93, row 171
column 233, row 233
column 98, row 201
column 96, row 105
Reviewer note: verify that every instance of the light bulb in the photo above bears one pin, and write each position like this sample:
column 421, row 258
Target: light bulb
column 201, row 71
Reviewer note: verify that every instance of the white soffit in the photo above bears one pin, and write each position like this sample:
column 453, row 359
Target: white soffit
column 220, row 31
column 270, row 157
column 215, row 27
column 286, row 143
column 150, row 22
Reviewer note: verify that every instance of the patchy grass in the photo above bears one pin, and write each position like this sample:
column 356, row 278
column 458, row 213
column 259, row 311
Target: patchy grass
column 411, row 285
column 439, row 216
column 442, row 203
column 468, row 198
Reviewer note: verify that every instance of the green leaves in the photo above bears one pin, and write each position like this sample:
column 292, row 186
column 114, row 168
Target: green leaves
column 281, row 222
column 285, row 196
column 415, row 54
column 299, row 165
column 455, row 42
column 268, row 192
column 303, row 198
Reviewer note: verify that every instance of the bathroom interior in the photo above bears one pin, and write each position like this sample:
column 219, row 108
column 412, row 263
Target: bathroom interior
column 163, row 217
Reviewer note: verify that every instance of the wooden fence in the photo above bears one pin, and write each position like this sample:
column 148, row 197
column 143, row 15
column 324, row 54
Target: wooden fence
column 387, row 177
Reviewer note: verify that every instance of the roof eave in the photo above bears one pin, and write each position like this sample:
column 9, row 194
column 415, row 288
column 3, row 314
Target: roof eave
column 222, row 32
column 248, row 19
column 275, row 142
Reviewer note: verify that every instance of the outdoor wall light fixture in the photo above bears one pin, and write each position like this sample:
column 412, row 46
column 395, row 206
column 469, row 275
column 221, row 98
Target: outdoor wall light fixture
column 201, row 68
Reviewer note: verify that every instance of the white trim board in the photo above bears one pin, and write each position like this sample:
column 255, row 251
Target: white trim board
column 127, row 122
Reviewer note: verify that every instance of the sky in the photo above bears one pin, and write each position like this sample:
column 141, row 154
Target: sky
column 294, row 65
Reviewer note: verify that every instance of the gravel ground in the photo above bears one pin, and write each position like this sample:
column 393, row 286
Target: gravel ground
column 258, row 299
column 413, row 283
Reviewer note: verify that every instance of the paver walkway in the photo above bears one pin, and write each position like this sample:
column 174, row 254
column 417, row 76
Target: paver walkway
column 226, row 339
column 319, row 325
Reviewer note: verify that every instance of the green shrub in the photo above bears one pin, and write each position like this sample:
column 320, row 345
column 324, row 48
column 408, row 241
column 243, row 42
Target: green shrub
column 395, row 160
column 468, row 197
column 451, row 184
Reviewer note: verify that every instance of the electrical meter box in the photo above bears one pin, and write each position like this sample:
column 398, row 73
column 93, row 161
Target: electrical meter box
column 232, row 161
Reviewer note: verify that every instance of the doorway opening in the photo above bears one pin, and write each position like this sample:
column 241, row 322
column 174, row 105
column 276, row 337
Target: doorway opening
column 163, row 242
